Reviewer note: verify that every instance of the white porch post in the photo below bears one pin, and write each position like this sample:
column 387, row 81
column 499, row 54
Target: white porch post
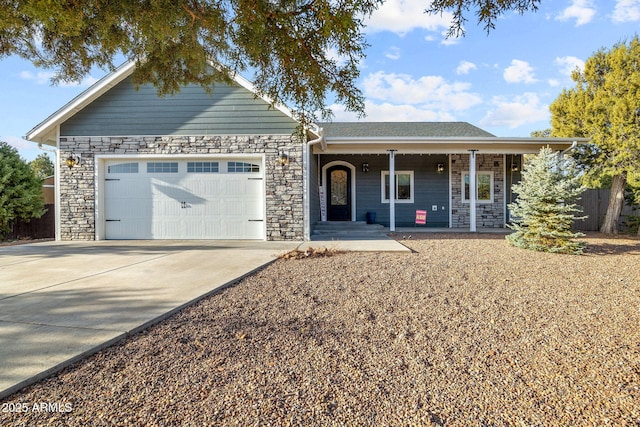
column 392, row 190
column 472, row 190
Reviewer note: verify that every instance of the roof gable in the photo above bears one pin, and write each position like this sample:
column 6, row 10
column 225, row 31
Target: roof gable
column 90, row 115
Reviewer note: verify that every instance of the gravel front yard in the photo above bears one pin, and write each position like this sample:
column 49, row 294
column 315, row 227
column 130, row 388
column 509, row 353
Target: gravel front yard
column 465, row 331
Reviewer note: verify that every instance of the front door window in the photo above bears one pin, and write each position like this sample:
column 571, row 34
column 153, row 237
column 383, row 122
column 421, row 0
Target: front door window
column 339, row 188
column 339, row 193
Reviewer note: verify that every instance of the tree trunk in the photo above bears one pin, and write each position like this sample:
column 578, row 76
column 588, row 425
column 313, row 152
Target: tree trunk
column 616, row 202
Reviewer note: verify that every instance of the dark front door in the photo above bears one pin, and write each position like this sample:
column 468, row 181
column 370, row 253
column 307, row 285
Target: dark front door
column 339, row 193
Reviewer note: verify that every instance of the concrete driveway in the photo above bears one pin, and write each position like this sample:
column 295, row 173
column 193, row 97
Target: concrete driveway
column 62, row 300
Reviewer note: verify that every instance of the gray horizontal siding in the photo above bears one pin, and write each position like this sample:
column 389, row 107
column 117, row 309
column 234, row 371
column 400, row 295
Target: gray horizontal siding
column 228, row 110
column 431, row 188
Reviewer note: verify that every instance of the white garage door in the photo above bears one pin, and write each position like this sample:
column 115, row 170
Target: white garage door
column 184, row 199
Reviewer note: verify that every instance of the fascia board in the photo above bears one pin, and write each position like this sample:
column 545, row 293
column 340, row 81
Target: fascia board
column 417, row 145
column 251, row 88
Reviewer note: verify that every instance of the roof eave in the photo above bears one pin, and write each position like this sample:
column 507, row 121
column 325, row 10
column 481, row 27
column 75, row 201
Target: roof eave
column 447, row 145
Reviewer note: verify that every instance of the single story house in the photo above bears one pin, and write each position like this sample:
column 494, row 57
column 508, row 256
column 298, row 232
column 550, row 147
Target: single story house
column 231, row 165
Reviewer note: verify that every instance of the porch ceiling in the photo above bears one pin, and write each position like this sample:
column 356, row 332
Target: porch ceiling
column 414, row 145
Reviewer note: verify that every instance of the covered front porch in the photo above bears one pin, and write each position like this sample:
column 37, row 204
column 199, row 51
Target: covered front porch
column 389, row 189
column 393, row 173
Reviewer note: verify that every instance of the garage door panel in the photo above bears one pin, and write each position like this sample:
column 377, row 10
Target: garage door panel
column 184, row 205
column 132, row 228
column 167, row 229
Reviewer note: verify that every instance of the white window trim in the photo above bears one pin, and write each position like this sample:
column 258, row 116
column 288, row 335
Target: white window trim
column 383, row 174
column 478, row 201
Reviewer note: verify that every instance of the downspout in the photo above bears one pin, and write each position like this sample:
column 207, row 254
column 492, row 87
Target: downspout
column 560, row 155
column 320, row 138
column 306, row 152
column 574, row 145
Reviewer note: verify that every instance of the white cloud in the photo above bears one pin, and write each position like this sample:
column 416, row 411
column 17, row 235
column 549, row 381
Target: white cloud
column 403, row 98
column 41, row 77
column 464, row 67
column 449, row 41
column 44, row 77
column 26, row 149
column 332, row 53
column 393, row 53
column 568, row 64
column 515, row 112
column 626, row 11
column 429, row 92
column 519, row 72
column 386, row 112
column 402, row 16
column 19, row 143
column 580, row 10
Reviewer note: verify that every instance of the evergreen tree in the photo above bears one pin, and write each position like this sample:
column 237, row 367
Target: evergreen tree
column 605, row 106
column 545, row 206
column 20, row 189
column 301, row 51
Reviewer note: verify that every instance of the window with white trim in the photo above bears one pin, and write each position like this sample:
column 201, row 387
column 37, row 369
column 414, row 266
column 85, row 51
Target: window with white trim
column 403, row 187
column 123, row 168
column 484, row 186
column 202, row 167
column 162, row 167
column 242, row 167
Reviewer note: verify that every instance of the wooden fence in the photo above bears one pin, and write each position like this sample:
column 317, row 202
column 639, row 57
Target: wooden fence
column 594, row 203
column 37, row 228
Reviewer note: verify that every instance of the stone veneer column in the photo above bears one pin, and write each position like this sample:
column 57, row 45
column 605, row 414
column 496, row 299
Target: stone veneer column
column 284, row 197
column 488, row 215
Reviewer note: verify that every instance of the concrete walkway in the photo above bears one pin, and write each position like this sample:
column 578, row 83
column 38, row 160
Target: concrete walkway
column 371, row 243
column 62, row 300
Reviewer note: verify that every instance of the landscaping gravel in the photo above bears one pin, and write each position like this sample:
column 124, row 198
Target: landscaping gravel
column 464, row 331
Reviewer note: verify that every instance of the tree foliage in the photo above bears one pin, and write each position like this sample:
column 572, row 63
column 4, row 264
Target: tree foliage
column 605, row 106
column 545, row 206
column 486, row 11
column 42, row 166
column 20, row 189
column 299, row 50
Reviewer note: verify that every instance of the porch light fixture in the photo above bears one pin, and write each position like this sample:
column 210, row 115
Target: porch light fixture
column 514, row 167
column 73, row 160
column 283, row 158
column 440, row 167
column 365, row 167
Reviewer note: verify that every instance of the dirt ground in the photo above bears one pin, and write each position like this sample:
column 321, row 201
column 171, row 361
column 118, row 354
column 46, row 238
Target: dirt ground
column 464, row 331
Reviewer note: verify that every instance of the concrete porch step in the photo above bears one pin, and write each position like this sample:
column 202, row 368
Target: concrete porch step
column 347, row 228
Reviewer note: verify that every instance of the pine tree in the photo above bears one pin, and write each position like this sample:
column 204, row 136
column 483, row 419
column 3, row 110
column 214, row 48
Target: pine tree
column 545, row 207
column 603, row 106
column 300, row 52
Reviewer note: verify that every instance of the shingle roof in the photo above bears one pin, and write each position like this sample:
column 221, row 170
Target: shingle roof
column 402, row 129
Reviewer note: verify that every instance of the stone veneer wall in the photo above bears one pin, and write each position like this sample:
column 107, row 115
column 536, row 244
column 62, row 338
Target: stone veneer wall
column 488, row 215
column 284, row 205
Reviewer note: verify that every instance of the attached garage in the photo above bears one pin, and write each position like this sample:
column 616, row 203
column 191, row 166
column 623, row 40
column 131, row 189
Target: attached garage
column 196, row 164
column 181, row 198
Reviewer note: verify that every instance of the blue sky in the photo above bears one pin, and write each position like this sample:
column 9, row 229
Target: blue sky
column 502, row 82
